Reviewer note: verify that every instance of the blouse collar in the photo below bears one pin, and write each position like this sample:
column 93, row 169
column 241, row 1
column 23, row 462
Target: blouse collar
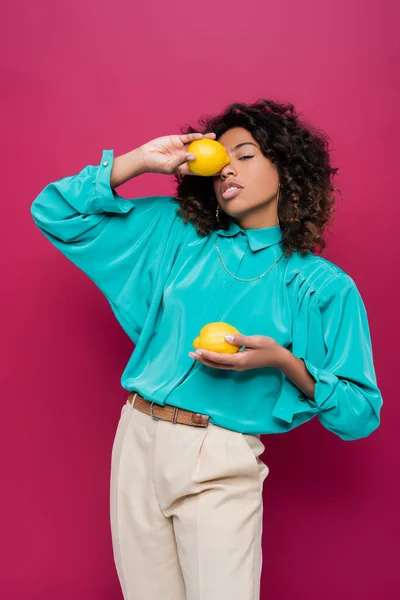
column 257, row 238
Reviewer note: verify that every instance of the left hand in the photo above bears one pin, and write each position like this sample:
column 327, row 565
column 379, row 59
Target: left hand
column 260, row 351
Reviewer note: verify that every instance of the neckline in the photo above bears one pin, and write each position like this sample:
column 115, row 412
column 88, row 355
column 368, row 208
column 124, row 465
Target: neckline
column 259, row 238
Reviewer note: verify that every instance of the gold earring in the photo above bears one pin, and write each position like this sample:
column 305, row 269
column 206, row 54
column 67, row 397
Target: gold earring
column 277, row 203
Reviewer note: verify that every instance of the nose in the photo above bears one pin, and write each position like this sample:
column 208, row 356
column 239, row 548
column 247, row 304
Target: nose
column 226, row 171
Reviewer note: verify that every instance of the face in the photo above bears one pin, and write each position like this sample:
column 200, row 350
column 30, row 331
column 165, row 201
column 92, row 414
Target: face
column 246, row 189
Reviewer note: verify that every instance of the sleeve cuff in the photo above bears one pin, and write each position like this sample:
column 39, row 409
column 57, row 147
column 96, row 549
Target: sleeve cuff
column 107, row 199
column 292, row 402
column 325, row 384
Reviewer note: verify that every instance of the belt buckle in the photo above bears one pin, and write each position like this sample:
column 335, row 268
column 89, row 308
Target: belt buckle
column 152, row 415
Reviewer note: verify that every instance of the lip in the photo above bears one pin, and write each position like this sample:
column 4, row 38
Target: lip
column 231, row 193
column 229, row 184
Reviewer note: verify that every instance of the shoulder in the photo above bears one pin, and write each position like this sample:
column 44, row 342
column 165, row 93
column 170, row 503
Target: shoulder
column 165, row 203
column 318, row 275
column 159, row 210
column 159, row 215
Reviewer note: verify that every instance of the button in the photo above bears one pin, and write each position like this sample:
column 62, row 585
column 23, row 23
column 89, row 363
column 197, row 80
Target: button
column 105, row 163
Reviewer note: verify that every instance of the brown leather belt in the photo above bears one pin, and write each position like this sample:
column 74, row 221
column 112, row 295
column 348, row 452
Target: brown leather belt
column 166, row 412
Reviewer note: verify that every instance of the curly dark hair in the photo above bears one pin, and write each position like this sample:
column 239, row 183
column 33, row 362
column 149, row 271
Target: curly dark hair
column 301, row 156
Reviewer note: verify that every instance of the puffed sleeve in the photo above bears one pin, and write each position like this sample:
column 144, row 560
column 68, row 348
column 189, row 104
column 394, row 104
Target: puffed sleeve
column 112, row 240
column 335, row 344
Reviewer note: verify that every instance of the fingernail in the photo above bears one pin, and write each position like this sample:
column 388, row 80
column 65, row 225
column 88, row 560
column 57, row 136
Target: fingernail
column 199, row 352
column 229, row 338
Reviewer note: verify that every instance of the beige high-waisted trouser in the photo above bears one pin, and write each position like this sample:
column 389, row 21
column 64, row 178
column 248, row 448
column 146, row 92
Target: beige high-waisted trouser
column 186, row 510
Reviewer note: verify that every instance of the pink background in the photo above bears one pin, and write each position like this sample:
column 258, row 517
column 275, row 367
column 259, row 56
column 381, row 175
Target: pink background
column 80, row 77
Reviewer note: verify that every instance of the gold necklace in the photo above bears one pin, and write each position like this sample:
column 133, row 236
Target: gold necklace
column 239, row 278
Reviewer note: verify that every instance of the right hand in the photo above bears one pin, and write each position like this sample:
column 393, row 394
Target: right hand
column 169, row 154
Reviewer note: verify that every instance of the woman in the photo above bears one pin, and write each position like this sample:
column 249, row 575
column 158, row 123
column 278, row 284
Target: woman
column 186, row 473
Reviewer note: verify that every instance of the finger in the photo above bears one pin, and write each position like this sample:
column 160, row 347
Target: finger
column 217, row 357
column 183, row 158
column 210, row 363
column 183, row 168
column 249, row 341
column 214, row 365
column 191, row 137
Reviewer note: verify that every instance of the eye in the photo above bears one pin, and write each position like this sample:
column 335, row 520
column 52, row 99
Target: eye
column 245, row 157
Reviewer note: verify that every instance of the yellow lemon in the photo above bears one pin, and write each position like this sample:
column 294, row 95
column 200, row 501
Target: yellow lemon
column 212, row 338
column 211, row 157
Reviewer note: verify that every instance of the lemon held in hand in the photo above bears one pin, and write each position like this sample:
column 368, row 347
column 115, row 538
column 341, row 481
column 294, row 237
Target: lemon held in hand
column 212, row 338
column 211, row 157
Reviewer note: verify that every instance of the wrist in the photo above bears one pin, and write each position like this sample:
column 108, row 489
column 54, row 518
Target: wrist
column 139, row 161
column 281, row 358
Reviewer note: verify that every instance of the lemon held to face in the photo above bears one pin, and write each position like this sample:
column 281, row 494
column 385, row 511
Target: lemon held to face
column 212, row 338
column 211, row 157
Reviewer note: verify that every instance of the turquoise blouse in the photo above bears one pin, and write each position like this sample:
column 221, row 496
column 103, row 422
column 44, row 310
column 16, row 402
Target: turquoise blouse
column 164, row 282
